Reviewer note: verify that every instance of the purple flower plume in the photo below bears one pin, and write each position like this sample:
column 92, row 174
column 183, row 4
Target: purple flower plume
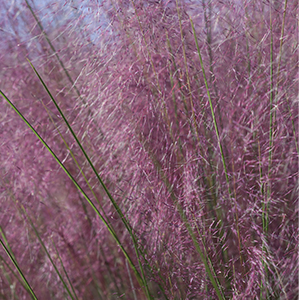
column 128, row 78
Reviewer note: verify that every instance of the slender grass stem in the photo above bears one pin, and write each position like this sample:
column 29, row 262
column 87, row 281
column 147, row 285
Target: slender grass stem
column 47, row 253
column 79, row 188
column 183, row 217
column 216, row 127
column 28, row 287
column 73, row 84
column 187, row 76
column 78, row 166
column 120, row 213
column 212, row 109
column 9, row 280
column 265, row 204
column 64, row 269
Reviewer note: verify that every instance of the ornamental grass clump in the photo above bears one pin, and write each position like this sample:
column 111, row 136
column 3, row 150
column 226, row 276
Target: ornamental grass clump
column 149, row 149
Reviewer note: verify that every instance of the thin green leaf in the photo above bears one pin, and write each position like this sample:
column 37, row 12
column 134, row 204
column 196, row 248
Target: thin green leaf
column 47, row 253
column 19, row 269
column 78, row 187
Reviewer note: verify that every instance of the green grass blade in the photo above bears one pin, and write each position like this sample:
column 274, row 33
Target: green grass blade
column 194, row 130
column 19, row 269
column 214, row 121
column 183, row 217
column 11, row 283
column 78, row 166
column 138, row 276
column 211, row 108
column 265, row 203
column 47, row 253
column 119, row 211
column 7, row 244
column 73, row 84
column 83, row 204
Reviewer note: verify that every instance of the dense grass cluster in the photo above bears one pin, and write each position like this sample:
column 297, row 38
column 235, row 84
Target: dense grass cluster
column 149, row 149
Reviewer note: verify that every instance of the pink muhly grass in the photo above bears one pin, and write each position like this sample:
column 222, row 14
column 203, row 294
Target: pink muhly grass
column 188, row 113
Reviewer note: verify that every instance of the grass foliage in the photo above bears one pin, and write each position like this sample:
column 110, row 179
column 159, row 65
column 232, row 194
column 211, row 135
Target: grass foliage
column 149, row 149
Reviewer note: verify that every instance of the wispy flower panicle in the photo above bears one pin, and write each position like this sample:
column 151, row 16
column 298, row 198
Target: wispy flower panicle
column 174, row 126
